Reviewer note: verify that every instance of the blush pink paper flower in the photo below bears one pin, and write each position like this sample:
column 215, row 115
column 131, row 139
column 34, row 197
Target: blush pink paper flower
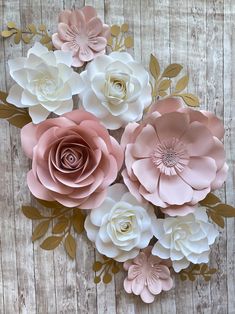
column 74, row 159
column 175, row 157
column 147, row 275
column 83, row 33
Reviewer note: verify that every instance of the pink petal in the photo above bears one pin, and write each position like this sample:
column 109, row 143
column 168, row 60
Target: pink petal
column 36, row 188
column 193, row 139
column 167, row 105
column 64, row 16
column 153, row 198
column 181, row 210
column 64, row 32
column 133, row 186
column 69, row 46
column 147, row 174
column 167, row 284
column 134, row 271
column 94, row 27
column 199, row 195
column 200, row 172
column 105, row 31
column 128, row 134
column 174, row 191
column 117, row 152
column 57, row 42
column 138, row 284
column 80, row 115
column 94, row 200
column 29, row 139
column 86, row 54
column 127, row 285
column 154, row 284
column 171, row 125
column 217, row 152
column 147, row 296
column 89, row 12
column 145, row 142
column 214, row 124
column 77, row 19
column 220, row 178
column 163, row 272
column 140, row 259
column 97, row 43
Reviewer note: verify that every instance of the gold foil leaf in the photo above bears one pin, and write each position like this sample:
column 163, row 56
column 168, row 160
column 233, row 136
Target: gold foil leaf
column 119, row 39
column 115, row 30
column 7, row 34
column 154, row 67
column 124, row 28
column 40, row 230
column 61, row 225
column 164, row 85
column 217, row 219
column 31, row 212
column 70, row 246
column 105, row 268
column 128, row 42
column 48, row 204
column 182, row 83
column 172, row 70
column 78, row 220
column 210, row 199
column 197, row 270
column 190, row 99
column 11, row 25
column 51, row 243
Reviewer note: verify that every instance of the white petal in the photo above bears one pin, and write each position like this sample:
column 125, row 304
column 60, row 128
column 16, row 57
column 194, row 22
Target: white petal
column 160, row 251
column 107, row 249
column 65, row 57
column 76, row 83
column 28, row 99
column 112, row 123
column 99, row 64
column 116, row 191
column 159, row 229
column 97, row 214
column 38, row 113
column 91, row 230
column 92, row 104
column 179, row 265
column 121, row 56
column 14, row 96
column 16, row 64
column 66, row 106
column 49, row 58
column 20, row 77
column 140, row 72
column 38, row 49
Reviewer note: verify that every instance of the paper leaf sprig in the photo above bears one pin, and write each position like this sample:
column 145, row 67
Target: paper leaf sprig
column 61, row 220
column 119, row 40
column 163, row 82
column 28, row 34
column 197, row 270
column 217, row 210
column 107, row 268
column 18, row 117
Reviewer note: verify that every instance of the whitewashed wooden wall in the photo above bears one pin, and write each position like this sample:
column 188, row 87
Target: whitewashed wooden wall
column 200, row 34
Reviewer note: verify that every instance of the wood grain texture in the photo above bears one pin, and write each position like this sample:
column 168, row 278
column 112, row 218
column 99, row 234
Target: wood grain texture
column 196, row 33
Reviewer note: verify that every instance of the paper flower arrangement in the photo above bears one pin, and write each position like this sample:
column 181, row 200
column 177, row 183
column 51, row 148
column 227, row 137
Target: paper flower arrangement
column 146, row 200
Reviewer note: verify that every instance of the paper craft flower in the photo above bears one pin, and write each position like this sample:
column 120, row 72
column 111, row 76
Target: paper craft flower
column 117, row 89
column 45, row 82
column 74, row 159
column 175, row 156
column 185, row 239
column 82, row 33
column 147, row 275
column 120, row 226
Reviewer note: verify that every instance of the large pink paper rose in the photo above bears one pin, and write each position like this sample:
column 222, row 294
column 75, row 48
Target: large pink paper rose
column 74, row 159
column 175, row 157
column 147, row 275
column 83, row 33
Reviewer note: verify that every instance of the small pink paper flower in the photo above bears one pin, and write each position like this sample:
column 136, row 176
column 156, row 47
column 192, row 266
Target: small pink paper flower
column 175, row 157
column 83, row 33
column 147, row 275
column 74, row 159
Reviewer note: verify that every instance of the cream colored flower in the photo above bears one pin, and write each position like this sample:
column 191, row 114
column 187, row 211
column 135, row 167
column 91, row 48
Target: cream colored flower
column 117, row 89
column 45, row 82
column 121, row 226
column 185, row 239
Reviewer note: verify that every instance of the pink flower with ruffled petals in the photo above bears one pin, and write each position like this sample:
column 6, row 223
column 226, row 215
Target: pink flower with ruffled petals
column 175, row 157
column 147, row 275
column 74, row 159
column 83, row 33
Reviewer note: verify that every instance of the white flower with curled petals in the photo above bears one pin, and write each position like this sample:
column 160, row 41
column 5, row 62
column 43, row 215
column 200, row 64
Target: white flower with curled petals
column 45, row 82
column 117, row 89
column 185, row 239
column 121, row 226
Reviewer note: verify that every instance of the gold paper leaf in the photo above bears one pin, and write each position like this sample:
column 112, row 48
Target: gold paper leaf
column 197, row 270
column 115, row 30
column 70, row 246
column 110, row 41
column 210, row 199
column 162, row 93
column 17, row 37
column 128, row 42
column 26, row 39
column 78, row 220
column 16, row 116
column 97, row 266
column 172, row 70
column 48, row 204
column 42, row 27
column 190, row 99
column 107, row 278
column 45, row 40
column 32, row 28
column 60, row 226
column 154, row 67
column 11, row 25
column 104, row 269
column 31, row 212
column 51, row 243
column 182, row 83
column 7, row 33
column 164, row 85
column 115, row 269
column 97, row 279
column 124, row 28
column 40, row 230
column 217, row 219
column 224, row 210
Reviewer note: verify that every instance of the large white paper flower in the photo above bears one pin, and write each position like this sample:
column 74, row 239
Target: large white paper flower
column 117, row 89
column 121, row 226
column 185, row 239
column 45, row 82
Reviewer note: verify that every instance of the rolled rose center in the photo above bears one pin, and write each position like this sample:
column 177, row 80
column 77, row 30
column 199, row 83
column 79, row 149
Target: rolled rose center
column 116, row 87
column 170, row 156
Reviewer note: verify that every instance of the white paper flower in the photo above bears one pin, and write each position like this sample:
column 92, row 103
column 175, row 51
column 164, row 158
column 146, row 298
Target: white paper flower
column 121, row 226
column 185, row 239
column 45, row 82
column 117, row 89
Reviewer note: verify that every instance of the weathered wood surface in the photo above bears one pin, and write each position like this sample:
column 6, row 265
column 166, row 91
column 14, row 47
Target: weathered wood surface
column 199, row 34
